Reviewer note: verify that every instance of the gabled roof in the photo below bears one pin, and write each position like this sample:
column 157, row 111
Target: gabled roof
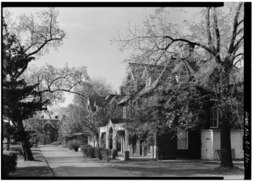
column 152, row 70
column 109, row 98
column 53, row 122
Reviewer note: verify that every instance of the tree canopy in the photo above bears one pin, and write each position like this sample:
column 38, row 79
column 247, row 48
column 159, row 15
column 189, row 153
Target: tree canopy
column 206, row 55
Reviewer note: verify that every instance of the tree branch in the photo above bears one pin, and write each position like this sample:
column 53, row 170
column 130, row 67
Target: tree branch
column 235, row 25
column 44, row 44
column 237, row 45
column 189, row 42
column 217, row 32
column 209, row 37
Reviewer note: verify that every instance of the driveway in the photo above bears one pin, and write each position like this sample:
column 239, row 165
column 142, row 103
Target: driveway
column 68, row 163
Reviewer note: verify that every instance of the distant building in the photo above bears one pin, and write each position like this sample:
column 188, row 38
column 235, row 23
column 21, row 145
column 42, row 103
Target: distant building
column 50, row 127
column 44, row 127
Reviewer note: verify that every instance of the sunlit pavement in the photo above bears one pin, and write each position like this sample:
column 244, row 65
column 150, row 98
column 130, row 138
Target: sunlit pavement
column 68, row 163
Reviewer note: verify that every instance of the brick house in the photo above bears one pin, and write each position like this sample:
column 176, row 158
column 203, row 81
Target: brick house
column 139, row 88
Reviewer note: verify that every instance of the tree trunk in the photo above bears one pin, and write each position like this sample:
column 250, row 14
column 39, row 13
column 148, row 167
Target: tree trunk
column 226, row 155
column 27, row 153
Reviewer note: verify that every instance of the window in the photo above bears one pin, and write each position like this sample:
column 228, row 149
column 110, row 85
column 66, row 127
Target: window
column 182, row 140
column 214, row 118
column 124, row 112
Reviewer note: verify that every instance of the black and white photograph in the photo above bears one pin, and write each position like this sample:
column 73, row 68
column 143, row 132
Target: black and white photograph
column 126, row 90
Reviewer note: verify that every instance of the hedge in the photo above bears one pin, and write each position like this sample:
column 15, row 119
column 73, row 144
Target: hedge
column 106, row 154
column 94, row 152
column 9, row 163
column 88, row 151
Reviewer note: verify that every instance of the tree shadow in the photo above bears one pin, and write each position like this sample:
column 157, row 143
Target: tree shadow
column 41, row 171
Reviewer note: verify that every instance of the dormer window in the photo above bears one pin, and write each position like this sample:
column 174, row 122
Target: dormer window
column 148, row 81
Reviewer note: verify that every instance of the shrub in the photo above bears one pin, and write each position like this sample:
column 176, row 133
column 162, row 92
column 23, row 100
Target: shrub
column 98, row 153
column 91, row 152
column 75, row 144
column 9, row 163
column 85, row 150
column 106, row 154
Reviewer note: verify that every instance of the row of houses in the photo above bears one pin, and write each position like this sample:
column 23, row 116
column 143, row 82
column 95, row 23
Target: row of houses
column 140, row 88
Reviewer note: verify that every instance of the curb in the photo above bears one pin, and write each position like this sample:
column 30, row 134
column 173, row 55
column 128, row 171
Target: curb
column 47, row 163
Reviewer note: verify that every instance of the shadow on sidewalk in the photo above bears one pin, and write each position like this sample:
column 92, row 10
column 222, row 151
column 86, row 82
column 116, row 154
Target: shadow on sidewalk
column 32, row 172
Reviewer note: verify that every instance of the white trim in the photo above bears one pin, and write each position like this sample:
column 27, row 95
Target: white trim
column 48, row 121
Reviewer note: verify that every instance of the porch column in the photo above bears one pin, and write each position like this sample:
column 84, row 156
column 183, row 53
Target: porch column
column 107, row 140
column 154, row 152
column 99, row 138
column 122, row 144
column 126, row 141
column 114, row 146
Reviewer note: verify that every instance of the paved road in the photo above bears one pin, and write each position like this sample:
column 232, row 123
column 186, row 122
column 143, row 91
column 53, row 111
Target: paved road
column 68, row 163
column 65, row 162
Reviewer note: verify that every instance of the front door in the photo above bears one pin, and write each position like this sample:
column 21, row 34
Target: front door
column 208, row 149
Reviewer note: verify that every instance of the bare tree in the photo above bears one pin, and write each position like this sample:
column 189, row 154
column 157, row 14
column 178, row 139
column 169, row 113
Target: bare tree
column 220, row 49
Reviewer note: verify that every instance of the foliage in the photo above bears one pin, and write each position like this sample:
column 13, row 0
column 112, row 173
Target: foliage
column 105, row 153
column 23, row 95
column 53, row 82
column 205, row 54
column 75, row 144
column 70, row 122
column 9, row 163
column 88, row 151
column 77, row 117
column 20, row 100
column 94, row 152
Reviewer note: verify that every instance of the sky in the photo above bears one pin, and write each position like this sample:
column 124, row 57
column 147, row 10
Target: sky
column 89, row 32
column 88, row 42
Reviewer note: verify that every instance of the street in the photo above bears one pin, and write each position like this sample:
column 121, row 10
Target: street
column 68, row 163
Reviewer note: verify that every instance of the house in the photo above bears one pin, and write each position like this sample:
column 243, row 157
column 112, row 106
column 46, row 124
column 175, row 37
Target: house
column 50, row 127
column 140, row 89
column 44, row 127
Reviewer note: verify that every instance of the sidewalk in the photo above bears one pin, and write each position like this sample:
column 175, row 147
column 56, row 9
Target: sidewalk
column 63, row 162
column 37, row 168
